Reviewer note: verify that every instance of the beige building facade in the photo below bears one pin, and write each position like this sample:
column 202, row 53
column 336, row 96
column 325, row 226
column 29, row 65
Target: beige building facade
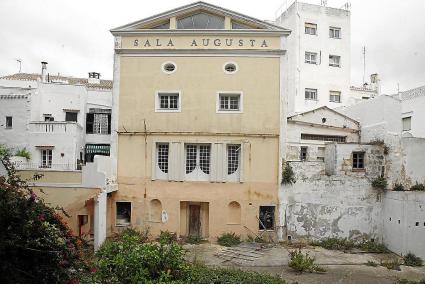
column 198, row 95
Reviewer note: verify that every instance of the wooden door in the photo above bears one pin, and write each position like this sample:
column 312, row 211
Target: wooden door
column 195, row 220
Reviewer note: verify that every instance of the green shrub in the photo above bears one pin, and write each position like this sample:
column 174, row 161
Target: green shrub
column 302, row 262
column 417, row 187
column 370, row 246
column 392, row 263
column 398, row 187
column 412, row 260
column 371, row 263
column 380, row 183
column 167, row 237
column 4, row 151
column 335, row 244
column 229, row 239
column 288, row 175
column 193, row 240
column 23, row 153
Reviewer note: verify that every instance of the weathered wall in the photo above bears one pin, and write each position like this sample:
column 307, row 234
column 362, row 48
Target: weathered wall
column 413, row 158
column 340, row 205
column 414, row 108
column 56, row 177
column 403, row 216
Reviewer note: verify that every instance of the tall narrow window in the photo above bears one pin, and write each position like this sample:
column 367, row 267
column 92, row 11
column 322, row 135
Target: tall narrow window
column 266, row 218
column 198, row 159
column 334, row 32
column 310, row 28
column 100, row 125
column 191, row 157
column 233, row 154
column 162, row 157
column 46, row 158
column 358, row 160
column 9, row 122
column 335, row 96
column 229, row 102
column 303, row 154
column 123, row 214
column 310, row 57
column 334, row 60
column 321, row 153
column 407, row 123
column 311, row 94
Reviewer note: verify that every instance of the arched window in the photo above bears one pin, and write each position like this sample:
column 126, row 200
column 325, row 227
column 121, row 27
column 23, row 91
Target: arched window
column 201, row 21
column 234, row 213
column 155, row 210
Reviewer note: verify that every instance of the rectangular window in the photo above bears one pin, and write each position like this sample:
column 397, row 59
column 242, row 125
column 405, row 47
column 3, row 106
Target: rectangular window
column 48, row 117
column 101, row 123
column 9, row 122
column 321, row 153
column 229, row 102
column 335, row 96
column 303, row 154
column 46, row 158
column 266, row 218
column 334, row 32
column 311, row 94
column 168, row 101
column 407, row 123
column 162, row 156
column 358, row 160
column 326, row 138
column 71, row 116
column 198, row 159
column 310, row 28
column 310, row 57
column 123, row 214
column 233, row 155
column 334, row 60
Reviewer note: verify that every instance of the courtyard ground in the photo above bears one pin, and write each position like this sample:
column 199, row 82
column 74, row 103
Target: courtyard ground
column 341, row 267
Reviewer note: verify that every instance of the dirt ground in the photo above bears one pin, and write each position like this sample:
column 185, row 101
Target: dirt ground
column 341, row 267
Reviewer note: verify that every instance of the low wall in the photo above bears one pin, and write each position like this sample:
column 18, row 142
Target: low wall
column 52, row 177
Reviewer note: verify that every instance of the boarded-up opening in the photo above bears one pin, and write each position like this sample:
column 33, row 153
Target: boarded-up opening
column 155, row 210
column 194, row 219
column 123, row 216
column 234, row 213
column 266, row 218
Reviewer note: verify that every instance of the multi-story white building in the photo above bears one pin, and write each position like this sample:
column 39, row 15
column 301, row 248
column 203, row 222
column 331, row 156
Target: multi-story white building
column 319, row 60
column 61, row 121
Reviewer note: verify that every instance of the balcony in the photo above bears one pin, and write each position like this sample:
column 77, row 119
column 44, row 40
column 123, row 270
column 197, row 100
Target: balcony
column 55, row 127
column 48, row 167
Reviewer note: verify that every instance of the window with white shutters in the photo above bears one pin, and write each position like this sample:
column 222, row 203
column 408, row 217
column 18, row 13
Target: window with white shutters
column 197, row 161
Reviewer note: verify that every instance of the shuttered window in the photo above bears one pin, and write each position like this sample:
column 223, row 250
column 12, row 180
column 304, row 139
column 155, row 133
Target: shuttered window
column 407, row 123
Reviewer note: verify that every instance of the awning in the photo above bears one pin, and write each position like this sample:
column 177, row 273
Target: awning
column 100, row 149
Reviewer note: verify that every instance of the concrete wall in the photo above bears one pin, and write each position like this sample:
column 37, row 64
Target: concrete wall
column 403, row 217
column 413, row 157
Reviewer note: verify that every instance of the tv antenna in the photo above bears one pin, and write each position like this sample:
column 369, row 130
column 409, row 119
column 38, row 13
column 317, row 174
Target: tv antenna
column 364, row 63
column 19, row 61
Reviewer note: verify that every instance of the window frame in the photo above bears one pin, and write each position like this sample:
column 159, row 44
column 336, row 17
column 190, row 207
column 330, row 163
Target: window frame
column 357, row 168
column 339, row 60
column 230, row 62
column 7, row 126
column 303, row 150
column 235, row 175
column 309, row 90
column 168, row 72
column 333, row 29
column 313, row 27
column 229, row 93
column 261, row 217
column 73, row 113
column 158, row 101
column 197, row 174
column 309, row 61
column 333, row 95
column 49, row 158
column 410, row 124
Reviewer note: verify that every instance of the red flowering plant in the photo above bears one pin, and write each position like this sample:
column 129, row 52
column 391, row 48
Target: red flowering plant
column 36, row 245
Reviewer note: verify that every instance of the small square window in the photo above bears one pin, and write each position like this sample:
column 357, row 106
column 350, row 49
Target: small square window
column 229, row 102
column 266, row 218
column 358, row 160
column 310, row 57
column 335, row 96
column 334, row 32
column 168, row 102
column 310, row 28
column 407, row 123
column 123, row 215
column 9, row 122
column 311, row 94
column 71, row 116
column 334, row 60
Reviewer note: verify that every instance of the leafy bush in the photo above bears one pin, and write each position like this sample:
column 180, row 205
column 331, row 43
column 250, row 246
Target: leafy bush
column 380, row 183
column 288, row 175
column 370, row 246
column 23, row 153
column 128, row 259
column 393, row 264
column 301, row 262
column 229, row 239
column 167, row 237
column 204, row 275
column 417, row 187
column 398, row 187
column 412, row 260
column 36, row 245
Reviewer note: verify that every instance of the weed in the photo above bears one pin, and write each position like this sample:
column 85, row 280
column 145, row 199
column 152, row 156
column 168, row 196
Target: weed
column 288, row 174
column 380, row 183
column 167, row 237
column 417, row 187
column 393, row 264
column 23, row 153
column 412, row 260
column 193, row 240
column 371, row 263
column 370, row 246
column 406, row 281
column 229, row 239
column 334, row 244
column 302, row 262
column 398, row 187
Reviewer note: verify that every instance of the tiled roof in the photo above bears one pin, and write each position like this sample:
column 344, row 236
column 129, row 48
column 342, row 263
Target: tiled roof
column 104, row 84
column 411, row 94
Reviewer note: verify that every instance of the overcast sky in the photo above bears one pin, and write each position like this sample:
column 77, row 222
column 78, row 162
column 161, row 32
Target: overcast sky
column 73, row 36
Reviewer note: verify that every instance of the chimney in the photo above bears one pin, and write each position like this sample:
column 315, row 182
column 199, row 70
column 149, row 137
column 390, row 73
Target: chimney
column 375, row 83
column 94, row 78
column 43, row 71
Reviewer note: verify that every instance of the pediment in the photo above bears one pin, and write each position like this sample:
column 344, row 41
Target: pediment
column 326, row 117
column 199, row 16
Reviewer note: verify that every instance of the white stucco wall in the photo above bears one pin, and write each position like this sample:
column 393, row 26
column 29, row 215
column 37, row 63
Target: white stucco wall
column 415, row 108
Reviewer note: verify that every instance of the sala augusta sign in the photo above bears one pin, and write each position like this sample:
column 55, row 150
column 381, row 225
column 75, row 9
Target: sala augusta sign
column 201, row 42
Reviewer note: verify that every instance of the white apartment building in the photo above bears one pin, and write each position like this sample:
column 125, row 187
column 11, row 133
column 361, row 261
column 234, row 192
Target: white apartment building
column 319, row 58
column 61, row 121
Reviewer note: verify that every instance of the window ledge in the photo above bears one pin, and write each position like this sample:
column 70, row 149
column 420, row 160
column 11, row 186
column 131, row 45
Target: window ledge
column 167, row 110
column 122, row 225
column 229, row 111
column 359, row 170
